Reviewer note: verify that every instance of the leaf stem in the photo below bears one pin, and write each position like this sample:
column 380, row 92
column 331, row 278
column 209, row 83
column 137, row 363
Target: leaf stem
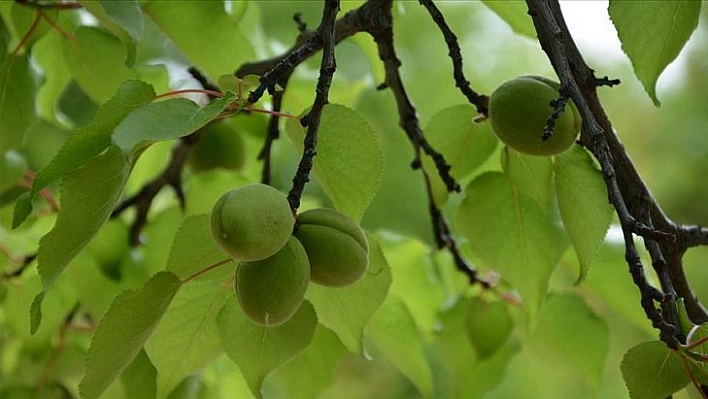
column 206, row 270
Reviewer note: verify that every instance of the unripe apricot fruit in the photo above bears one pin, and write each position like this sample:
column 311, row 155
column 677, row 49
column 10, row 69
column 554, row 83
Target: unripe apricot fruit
column 519, row 109
column 335, row 245
column 270, row 290
column 219, row 147
column 251, row 222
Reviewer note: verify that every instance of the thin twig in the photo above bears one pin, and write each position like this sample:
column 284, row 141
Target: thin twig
column 170, row 176
column 479, row 101
column 272, row 134
column 411, row 125
column 558, row 107
column 408, row 118
column 325, row 32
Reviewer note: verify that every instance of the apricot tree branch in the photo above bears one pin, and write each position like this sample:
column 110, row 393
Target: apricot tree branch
column 170, row 176
column 638, row 210
column 59, row 5
column 312, row 120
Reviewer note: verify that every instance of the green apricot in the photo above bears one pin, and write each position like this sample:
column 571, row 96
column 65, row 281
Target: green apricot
column 251, row 222
column 12, row 168
column 270, row 290
column 488, row 326
column 219, row 147
column 336, row 247
column 519, row 109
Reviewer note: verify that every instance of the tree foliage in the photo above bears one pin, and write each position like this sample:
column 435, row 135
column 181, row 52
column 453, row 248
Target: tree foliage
column 491, row 273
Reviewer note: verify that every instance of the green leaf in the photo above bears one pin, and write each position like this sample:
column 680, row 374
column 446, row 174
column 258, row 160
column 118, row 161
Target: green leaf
column 138, row 379
column 90, row 140
column 514, row 13
column 511, row 233
column 583, row 203
column 653, row 371
column 349, row 162
column 87, row 199
column 395, row 335
column 652, row 34
column 123, row 19
column 23, row 208
column 319, row 359
column 470, row 376
column 488, row 325
column 583, row 347
column 188, row 23
column 409, row 281
column 193, row 249
column 20, row 20
column 48, row 56
column 259, row 350
column 99, row 73
column 347, row 310
column 12, row 169
column 165, row 120
column 124, row 329
column 187, row 337
column 466, row 145
column 530, row 174
column 18, row 85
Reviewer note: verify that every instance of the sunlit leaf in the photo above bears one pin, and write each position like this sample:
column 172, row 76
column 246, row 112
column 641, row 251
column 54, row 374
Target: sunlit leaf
column 18, row 85
column 464, row 144
column 138, row 379
column 12, row 169
column 529, row 174
column 165, row 120
column 259, row 350
column 509, row 231
column 583, row 203
column 87, row 199
column 90, row 140
column 20, row 19
column 514, row 13
column 123, row 19
column 571, row 332
column 488, row 325
column 469, row 376
column 412, row 272
column 320, row 358
column 653, row 371
column 349, row 161
column 124, row 329
column 187, row 337
column 99, row 73
column 193, row 249
column 395, row 335
column 652, row 34
column 347, row 310
column 47, row 53
column 188, row 23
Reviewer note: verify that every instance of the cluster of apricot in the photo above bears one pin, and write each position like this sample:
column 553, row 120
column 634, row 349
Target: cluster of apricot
column 278, row 254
